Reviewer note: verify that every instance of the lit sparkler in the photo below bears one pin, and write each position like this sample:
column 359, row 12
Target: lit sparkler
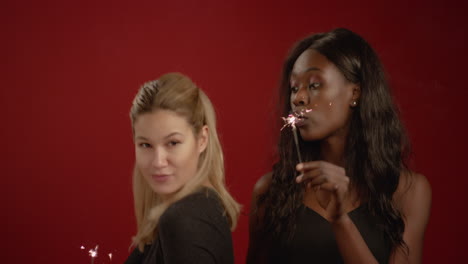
column 93, row 253
column 291, row 121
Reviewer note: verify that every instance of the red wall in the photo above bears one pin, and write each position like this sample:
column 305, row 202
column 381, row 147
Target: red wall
column 71, row 68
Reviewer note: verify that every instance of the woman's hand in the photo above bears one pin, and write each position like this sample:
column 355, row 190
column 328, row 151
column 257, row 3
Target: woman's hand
column 330, row 184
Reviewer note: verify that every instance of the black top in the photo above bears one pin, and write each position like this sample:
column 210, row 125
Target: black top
column 192, row 230
column 314, row 240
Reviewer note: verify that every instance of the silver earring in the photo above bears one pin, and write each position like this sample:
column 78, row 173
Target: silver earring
column 354, row 103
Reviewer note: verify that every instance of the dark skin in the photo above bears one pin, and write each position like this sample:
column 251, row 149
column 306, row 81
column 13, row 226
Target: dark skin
column 317, row 84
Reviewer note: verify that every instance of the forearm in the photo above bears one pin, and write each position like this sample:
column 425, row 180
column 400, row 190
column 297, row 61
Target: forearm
column 350, row 243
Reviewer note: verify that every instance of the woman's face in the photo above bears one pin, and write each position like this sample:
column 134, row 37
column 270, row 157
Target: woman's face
column 317, row 84
column 166, row 150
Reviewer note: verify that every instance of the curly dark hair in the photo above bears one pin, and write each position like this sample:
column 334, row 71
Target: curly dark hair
column 377, row 148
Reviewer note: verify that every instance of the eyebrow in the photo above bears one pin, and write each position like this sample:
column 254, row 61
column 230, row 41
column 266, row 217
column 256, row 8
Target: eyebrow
column 168, row 136
column 173, row 134
column 307, row 70
column 312, row 69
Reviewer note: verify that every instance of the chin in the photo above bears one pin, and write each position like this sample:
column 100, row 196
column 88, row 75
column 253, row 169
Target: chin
column 308, row 135
column 164, row 190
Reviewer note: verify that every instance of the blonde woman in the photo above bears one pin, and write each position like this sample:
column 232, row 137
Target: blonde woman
column 184, row 212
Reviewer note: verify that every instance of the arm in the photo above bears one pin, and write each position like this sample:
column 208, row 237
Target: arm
column 257, row 250
column 413, row 197
column 195, row 231
column 352, row 246
column 331, row 185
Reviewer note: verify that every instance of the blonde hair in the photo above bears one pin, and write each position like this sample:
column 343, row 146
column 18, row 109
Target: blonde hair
column 178, row 93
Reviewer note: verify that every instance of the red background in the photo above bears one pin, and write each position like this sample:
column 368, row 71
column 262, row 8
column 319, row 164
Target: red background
column 71, row 68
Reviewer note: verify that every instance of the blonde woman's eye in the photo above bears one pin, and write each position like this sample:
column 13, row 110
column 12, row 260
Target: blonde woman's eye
column 314, row 85
column 173, row 143
column 294, row 89
column 144, row 145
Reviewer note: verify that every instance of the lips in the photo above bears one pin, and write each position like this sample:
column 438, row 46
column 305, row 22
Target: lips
column 160, row 177
column 301, row 116
column 300, row 121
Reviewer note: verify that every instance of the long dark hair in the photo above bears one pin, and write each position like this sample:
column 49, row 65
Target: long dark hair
column 376, row 146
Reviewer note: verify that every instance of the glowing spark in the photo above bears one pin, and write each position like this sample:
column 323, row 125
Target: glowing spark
column 295, row 117
column 110, row 256
column 93, row 253
column 290, row 120
column 82, row 247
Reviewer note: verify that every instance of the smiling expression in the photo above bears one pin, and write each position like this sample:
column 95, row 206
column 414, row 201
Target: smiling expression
column 167, row 150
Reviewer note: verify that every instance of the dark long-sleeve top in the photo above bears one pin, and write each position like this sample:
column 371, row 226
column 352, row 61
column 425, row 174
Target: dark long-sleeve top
column 192, row 230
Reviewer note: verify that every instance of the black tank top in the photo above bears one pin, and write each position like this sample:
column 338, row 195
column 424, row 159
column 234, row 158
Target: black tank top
column 314, row 240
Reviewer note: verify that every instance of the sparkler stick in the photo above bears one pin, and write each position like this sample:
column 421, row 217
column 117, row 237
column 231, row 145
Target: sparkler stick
column 296, row 141
column 291, row 121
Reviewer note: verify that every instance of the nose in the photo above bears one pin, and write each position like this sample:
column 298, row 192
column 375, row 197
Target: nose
column 159, row 159
column 301, row 97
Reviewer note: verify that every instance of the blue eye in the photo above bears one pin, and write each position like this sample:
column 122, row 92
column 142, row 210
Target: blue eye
column 314, row 85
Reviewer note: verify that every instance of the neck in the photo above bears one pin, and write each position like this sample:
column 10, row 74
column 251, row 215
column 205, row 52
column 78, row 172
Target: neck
column 333, row 152
column 332, row 149
column 166, row 197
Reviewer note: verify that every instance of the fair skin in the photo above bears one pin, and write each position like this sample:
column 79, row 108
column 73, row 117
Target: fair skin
column 317, row 84
column 167, row 150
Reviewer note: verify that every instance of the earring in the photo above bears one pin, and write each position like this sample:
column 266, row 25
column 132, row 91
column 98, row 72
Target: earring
column 354, row 103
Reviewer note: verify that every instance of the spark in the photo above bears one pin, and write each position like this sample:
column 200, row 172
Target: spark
column 290, row 120
column 93, row 253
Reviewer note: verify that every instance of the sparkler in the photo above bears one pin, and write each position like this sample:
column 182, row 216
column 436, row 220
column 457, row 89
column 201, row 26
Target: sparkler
column 93, row 253
column 291, row 121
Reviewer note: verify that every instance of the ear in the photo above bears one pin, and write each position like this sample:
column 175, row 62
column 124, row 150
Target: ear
column 356, row 90
column 203, row 139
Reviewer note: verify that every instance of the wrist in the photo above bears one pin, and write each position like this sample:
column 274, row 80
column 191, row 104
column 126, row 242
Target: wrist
column 341, row 221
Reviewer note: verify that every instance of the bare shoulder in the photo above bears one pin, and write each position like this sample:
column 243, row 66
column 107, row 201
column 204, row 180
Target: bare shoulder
column 260, row 188
column 262, row 185
column 413, row 199
column 257, row 251
column 414, row 191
